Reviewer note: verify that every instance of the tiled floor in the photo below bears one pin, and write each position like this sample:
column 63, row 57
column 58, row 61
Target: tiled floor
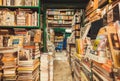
column 62, row 71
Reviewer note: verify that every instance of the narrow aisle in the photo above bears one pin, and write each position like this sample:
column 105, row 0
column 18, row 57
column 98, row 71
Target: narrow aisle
column 62, row 71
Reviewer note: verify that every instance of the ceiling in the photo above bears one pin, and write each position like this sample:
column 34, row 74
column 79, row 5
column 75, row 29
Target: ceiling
column 56, row 4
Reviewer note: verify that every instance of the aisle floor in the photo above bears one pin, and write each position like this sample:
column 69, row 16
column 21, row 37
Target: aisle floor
column 62, row 71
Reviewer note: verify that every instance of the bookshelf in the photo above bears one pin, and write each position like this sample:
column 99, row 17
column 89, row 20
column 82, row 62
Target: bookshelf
column 24, row 14
column 59, row 17
column 20, row 30
column 98, row 63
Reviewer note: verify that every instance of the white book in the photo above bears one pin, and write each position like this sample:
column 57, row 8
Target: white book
column 36, row 18
column 8, row 3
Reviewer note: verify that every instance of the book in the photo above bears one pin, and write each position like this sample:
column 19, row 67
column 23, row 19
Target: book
column 37, row 36
column 16, row 41
column 4, row 3
column 25, row 55
column 8, row 2
column 1, row 41
column 7, row 17
column 28, row 2
column 28, row 62
column 19, row 2
column 117, row 25
column 114, row 44
column 1, row 2
column 28, row 68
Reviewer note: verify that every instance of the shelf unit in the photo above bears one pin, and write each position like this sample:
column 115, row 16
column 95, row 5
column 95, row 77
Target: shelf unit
column 32, row 16
column 60, row 17
column 100, row 64
column 30, row 8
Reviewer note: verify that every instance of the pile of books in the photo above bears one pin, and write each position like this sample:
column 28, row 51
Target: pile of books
column 28, row 68
column 19, row 17
column 31, row 52
column 44, row 68
column 19, row 2
column 7, row 17
column 36, row 51
column 25, row 17
column 8, row 59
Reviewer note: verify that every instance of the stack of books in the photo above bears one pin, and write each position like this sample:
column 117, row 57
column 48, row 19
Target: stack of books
column 25, row 17
column 44, row 73
column 28, row 68
column 9, row 64
column 32, row 52
column 19, row 2
column 36, row 53
column 19, row 17
column 7, row 17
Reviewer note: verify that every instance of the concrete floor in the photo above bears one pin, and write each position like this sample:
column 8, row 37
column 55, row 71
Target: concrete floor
column 62, row 71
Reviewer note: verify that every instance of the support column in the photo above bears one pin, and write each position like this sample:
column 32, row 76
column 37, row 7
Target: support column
column 44, row 32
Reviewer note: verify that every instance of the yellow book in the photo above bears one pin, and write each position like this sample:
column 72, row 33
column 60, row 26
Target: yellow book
column 0, row 2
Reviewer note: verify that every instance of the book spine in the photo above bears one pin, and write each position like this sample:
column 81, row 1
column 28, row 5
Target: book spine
column 27, row 19
column 33, row 19
column 33, row 2
column 4, row 2
column 8, row 3
column 12, row 2
column 1, row 2
column 36, row 18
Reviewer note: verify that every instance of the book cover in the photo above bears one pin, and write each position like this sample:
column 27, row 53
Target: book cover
column 16, row 41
